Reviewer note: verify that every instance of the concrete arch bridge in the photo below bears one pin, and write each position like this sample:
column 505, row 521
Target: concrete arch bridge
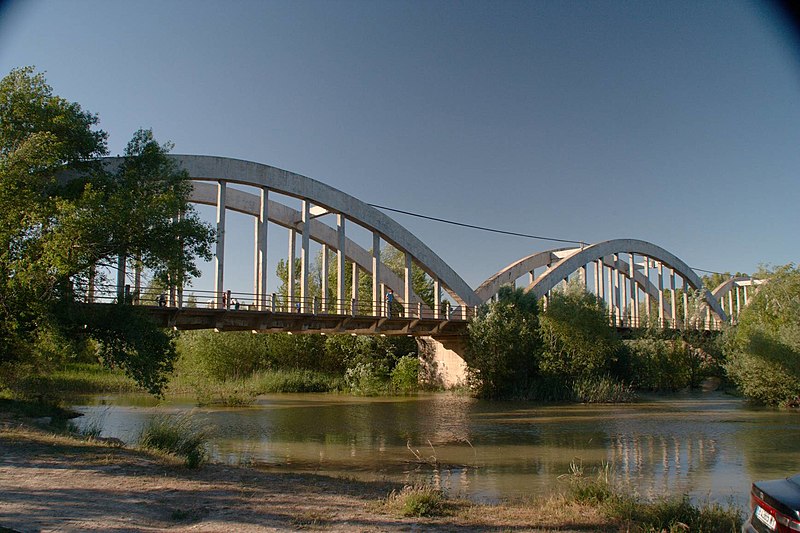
column 637, row 280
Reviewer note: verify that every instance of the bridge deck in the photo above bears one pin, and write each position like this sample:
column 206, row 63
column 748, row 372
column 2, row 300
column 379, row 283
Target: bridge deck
column 190, row 318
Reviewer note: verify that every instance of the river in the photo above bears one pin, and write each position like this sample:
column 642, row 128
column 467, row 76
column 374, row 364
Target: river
column 708, row 445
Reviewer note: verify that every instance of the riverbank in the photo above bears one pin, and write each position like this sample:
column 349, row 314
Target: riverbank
column 50, row 481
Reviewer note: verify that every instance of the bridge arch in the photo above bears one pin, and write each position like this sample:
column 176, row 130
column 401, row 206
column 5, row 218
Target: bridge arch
column 733, row 294
column 622, row 271
column 210, row 176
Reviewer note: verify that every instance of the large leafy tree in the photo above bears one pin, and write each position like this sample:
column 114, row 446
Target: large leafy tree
column 64, row 216
column 578, row 340
column 504, row 346
column 763, row 350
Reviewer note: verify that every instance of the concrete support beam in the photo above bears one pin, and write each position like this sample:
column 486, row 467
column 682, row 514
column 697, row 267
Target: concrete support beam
column 647, row 294
column 354, row 289
column 324, row 280
column 219, row 256
column 685, row 304
column 660, row 294
column 121, row 274
column 673, row 310
column 262, row 224
column 305, row 256
column 377, row 298
column 290, row 296
column 437, row 298
column 340, row 263
column 407, row 279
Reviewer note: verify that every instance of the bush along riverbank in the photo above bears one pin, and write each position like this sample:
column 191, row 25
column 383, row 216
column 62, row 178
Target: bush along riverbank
column 205, row 497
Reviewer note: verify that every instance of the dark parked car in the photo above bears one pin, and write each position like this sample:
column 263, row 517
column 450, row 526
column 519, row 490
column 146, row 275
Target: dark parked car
column 775, row 506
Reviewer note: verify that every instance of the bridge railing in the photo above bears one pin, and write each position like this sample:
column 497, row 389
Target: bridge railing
column 276, row 303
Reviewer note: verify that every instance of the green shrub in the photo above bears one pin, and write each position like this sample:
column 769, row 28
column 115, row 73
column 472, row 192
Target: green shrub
column 503, row 346
column 577, row 337
column 763, row 350
column 366, row 379
column 418, row 501
column 405, row 375
column 603, row 389
column 180, row 436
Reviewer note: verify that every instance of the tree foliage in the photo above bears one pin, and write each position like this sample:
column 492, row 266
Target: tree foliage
column 63, row 215
column 763, row 350
column 503, row 345
column 578, row 340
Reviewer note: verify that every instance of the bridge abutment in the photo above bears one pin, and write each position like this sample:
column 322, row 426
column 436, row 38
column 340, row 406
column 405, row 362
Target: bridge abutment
column 442, row 361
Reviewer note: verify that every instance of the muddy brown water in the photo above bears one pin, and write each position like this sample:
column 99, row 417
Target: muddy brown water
column 708, row 445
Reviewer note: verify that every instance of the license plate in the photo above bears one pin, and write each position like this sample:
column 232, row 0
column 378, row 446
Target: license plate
column 765, row 517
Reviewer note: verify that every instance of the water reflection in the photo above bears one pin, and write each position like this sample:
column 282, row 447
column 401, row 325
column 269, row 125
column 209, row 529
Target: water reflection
column 706, row 446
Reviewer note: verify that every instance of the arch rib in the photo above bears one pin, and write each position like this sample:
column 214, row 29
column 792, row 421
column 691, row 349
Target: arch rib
column 249, row 204
column 200, row 167
column 601, row 250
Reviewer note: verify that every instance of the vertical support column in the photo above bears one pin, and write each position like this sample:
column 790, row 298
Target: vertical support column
column 340, row 263
column 305, row 255
column 121, row 265
column 623, row 301
column 583, row 277
column 596, row 278
column 324, row 281
column 673, row 313
column 599, row 280
column 377, row 297
column 137, row 282
column 92, row 276
column 219, row 256
column 731, row 316
column 744, row 289
column 290, row 281
column 407, row 274
column 354, row 290
column 634, row 291
column 645, row 288
column 618, row 305
column 738, row 302
column 660, row 295
column 262, row 225
column 685, row 303
column 437, row 298
column 610, row 294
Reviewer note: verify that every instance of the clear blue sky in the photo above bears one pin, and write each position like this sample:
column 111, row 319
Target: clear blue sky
column 672, row 122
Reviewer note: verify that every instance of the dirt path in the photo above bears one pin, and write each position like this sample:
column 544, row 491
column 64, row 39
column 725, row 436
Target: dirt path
column 56, row 483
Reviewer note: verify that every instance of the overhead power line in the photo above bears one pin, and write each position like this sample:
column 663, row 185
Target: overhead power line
column 500, row 231
column 482, row 228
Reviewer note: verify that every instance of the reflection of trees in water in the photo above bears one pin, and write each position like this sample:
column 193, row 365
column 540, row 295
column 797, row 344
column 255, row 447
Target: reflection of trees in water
column 772, row 449
column 660, row 464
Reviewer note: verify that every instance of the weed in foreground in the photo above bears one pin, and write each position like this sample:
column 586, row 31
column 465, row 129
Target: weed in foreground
column 179, row 435
column 417, row 501
column 669, row 515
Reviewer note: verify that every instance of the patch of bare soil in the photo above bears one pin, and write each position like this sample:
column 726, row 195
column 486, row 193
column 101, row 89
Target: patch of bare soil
column 56, row 483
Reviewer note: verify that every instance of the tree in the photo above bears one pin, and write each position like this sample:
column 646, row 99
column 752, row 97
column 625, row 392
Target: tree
column 503, row 345
column 763, row 350
column 63, row 216
column 578, row 339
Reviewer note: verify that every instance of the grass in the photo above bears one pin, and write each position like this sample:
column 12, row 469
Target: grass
column 79, row 378
column 670, row 514
column 240, row 392
column 417, row 501
column 179, row 435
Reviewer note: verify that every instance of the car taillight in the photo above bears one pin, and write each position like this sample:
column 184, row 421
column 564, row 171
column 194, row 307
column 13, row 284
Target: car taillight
column 787, row 523
column 784, row 524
